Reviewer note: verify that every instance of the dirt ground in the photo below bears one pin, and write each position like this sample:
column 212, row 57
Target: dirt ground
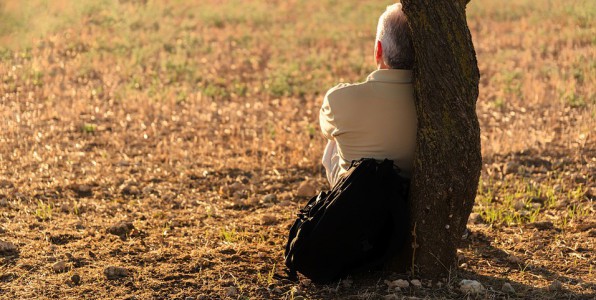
column 136, row 164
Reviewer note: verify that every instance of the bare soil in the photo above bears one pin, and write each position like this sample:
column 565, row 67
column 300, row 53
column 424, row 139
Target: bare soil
column 137, row 163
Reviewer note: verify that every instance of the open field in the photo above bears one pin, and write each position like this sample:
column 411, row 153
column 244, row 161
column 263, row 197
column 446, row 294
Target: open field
column 194, row 123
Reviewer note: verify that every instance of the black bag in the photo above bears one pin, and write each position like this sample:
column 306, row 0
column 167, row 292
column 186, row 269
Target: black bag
column 357, row 225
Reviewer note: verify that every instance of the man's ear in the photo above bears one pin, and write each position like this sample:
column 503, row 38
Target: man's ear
column 379, row 52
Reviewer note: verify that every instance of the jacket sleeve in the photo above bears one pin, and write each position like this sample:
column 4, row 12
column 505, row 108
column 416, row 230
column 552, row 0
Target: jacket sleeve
column 326, row 118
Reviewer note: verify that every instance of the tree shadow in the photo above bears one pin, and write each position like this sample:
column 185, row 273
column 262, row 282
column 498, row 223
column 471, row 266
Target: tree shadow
column 372, row 285
column 499, row 258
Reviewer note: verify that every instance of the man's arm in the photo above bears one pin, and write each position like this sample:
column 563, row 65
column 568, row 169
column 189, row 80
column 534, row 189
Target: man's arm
column 327, row 116
column 331, row 162
column 326, row 119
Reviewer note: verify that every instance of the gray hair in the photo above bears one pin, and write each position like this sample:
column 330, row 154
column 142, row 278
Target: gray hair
column 395, row 37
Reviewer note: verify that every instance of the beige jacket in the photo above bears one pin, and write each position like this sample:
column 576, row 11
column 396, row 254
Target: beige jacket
column 374, row 119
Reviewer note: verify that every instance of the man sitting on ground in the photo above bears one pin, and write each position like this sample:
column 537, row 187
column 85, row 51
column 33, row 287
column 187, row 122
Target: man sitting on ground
column 376, row 118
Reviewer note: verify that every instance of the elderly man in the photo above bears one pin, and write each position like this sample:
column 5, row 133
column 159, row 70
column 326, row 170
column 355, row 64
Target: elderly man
column 376, row 118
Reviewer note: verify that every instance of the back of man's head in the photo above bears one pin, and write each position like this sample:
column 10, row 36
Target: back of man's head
column 395, row 37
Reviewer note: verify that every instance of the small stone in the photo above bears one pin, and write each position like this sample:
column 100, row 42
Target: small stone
column 271, row 198
column 464, row 266
column 112, row 272
column 460, row 256
column 471, row 287
column 392, row 286
column 510, row 167
column 390, row 297
column 546, row 225
column 60, row 266
column 130, row 190
column 83, row 190
column 555, row 286
column 507, row 288
column 76, row 279
column 514, row 259
column 5, row 184
column 306, row 189
column 305, row 282
column 7, row 248
column 519, row 205
column 474, row 218
column 121, row 229
column 400, row 283
column 285, row 203
column 148, row 190
column 231, row 291
column 189, row 298
column 123, row 163
column 65, row 208
column 20, row 197
column 295, row 291
column 238, row 195
column 268, row 219
column 236, row 187
column 416, row 283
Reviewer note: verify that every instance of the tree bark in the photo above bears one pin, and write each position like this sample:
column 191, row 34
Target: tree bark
column 448, row 158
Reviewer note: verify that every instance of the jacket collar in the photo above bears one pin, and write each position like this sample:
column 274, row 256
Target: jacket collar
column 391, row 76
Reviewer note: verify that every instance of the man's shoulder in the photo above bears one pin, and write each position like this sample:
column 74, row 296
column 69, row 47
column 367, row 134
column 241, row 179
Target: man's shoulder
column 344, row 89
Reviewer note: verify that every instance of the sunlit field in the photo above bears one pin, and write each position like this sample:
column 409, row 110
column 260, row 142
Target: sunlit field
column 176, row 140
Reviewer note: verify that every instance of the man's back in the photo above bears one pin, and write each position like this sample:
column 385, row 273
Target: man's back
column 373, row 119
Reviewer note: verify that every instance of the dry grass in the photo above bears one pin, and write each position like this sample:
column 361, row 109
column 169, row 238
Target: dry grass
column 181, row 116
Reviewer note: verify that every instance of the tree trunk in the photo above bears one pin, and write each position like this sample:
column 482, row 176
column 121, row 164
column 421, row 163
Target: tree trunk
column 448, row 159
